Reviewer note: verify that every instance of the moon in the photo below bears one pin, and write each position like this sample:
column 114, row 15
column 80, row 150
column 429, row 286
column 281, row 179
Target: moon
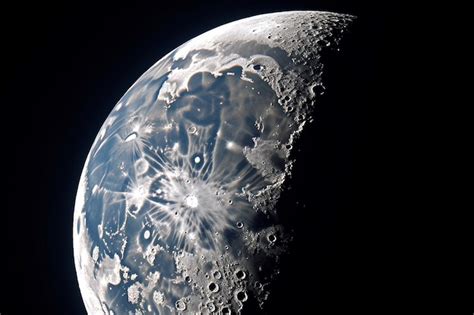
column 177, row 206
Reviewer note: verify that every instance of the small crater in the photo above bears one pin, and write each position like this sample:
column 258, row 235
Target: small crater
column 217, row 275
column 180, row 305
column 240, row 274
column 141, row 166
column 211, row 307
column 213, row 287
column 241, row 296
column 192, row 130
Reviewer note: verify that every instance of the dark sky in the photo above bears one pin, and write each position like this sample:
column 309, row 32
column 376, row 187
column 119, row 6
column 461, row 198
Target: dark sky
column 67, row 65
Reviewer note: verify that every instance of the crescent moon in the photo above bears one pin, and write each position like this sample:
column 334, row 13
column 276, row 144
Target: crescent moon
column 177, row 206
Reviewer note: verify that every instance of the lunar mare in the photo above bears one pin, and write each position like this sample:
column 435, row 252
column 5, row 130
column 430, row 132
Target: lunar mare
column 177, row 206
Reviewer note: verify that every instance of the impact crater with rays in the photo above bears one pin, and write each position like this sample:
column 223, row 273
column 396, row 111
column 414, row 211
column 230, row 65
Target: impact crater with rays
column 177, row 206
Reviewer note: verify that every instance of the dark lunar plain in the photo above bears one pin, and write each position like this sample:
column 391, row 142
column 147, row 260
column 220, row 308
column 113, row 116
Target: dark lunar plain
column 66, row 67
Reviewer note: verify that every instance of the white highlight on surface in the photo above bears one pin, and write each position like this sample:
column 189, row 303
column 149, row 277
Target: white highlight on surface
column 197, row 159
column 146, row 235
column 230, row 145
column 158, row 297
column 131, row 137
column 95, row 254
column 192, row 236
column 191, row 201
column 139, row 193
column 133, row 293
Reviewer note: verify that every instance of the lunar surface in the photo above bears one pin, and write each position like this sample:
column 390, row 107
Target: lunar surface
column 177, row 206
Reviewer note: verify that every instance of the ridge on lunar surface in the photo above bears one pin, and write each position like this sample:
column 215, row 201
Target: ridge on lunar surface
column 176, row 206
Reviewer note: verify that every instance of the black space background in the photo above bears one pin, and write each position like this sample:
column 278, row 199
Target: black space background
column 67, row 65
